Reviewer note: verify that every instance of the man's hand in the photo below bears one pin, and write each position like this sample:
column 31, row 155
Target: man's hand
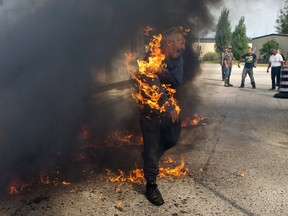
column 174, row 116
column 255, row 65
column 238, row 65
column 268, row 70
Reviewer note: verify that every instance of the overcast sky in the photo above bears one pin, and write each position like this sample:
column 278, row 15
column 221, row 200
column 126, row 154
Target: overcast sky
column 260, row 15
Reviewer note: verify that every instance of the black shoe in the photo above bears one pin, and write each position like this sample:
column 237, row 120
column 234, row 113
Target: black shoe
column 272, row 89
column 241, row 86
column 229, row 84
column 254, row 87
column 153, row 194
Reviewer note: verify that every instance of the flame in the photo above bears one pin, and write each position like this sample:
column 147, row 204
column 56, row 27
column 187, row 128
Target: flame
column 192, row 122
column 136, row 176
column 178, row 171
column 120, row 138
column 45, row 180
column 17, row 186
column 13, row 190
column 147, row 71
column 66, row 183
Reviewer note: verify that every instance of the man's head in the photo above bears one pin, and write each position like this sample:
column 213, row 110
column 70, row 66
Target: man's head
column 274, row 51
column 249, row 50
column 173, row 43
column 279, row 51
column 229, row 49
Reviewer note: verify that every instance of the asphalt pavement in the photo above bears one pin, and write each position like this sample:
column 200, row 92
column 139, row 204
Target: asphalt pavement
column 237, row 160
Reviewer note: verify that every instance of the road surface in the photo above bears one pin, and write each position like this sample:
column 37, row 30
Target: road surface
column 237, row 161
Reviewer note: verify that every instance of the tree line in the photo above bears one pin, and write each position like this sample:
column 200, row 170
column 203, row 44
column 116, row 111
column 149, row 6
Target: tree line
column 238, row 39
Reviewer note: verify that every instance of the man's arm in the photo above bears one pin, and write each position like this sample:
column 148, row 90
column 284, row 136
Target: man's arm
column 239, row 61
column 269, row 65
column 256, row 61
column 173, row 76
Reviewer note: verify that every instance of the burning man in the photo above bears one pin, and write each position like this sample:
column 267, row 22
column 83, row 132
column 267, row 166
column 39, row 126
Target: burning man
column 161, row 127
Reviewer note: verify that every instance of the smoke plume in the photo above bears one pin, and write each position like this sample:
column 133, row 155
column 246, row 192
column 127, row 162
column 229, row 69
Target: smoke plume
column 47, row 51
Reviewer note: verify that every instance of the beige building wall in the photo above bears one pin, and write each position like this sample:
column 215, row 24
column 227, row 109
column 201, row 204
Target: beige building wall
column 282, row 39
column 204, row 46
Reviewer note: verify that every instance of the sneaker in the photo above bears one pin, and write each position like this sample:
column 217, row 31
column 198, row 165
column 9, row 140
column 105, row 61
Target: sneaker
column 229, row 84
column 241, row 86
column 271, row 89
column 253, row 87
column 153, row 194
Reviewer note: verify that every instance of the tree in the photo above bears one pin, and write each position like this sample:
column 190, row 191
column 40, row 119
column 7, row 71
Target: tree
column 223, row 32
column 265, row 51
column 282, row 21
column 239, row 39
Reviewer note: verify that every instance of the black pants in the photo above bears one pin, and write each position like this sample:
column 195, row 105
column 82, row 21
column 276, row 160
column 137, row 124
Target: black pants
column 159, row 134
column 275, row 73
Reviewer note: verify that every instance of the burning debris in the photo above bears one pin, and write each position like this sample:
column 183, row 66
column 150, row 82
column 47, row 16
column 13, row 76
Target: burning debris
column 136, row 176
column 192, row 122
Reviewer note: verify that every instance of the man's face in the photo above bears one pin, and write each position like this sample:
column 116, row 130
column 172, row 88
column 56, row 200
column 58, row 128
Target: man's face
column 274, row 51
column 249, row 51
column 175, row 46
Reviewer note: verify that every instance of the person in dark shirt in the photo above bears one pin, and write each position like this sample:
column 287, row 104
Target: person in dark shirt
column 161, row 128
column 251, row 61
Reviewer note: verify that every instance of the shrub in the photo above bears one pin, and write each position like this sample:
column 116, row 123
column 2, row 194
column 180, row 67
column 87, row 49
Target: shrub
column 211, row 56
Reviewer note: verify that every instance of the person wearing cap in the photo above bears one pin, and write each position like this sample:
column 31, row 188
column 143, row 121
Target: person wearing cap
column 250, row 62
column 228, row 62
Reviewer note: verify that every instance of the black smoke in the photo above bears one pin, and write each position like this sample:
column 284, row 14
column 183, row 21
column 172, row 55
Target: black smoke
column 46, row 55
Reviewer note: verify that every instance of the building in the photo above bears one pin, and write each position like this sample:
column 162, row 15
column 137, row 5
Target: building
column 205, row 45
column 281, row 39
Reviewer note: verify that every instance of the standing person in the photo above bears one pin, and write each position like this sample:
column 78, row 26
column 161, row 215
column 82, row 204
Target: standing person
column 161, row 129
column 284, row 60
column 275, row 62
column 222, row 63
column 250, row 62
column 228, row 62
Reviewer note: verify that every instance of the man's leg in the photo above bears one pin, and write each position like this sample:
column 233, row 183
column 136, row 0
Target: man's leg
column 273, row 74
column 151, row 136
column 170, row 133
column 226, row 76
column 230, row 70
column 251, row 75
column 278, row 71
column 244, row 74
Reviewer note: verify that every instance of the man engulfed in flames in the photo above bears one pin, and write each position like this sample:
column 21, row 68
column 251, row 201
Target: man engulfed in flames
column 158, row 76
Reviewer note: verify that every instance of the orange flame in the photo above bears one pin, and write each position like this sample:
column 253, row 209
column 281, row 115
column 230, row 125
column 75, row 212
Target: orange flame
column 192, row 122
column 136, row 176
column 45, row 180
column 148, row 70
column 17, row 186
column 119, row 138
column 178, row 171
column 65, row 183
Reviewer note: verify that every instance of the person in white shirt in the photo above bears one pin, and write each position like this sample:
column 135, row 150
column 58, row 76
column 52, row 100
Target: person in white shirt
column 275, row 62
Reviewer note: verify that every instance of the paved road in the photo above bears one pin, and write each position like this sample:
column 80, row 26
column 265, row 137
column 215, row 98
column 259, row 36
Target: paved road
column 237, row 162
column 245, row 149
